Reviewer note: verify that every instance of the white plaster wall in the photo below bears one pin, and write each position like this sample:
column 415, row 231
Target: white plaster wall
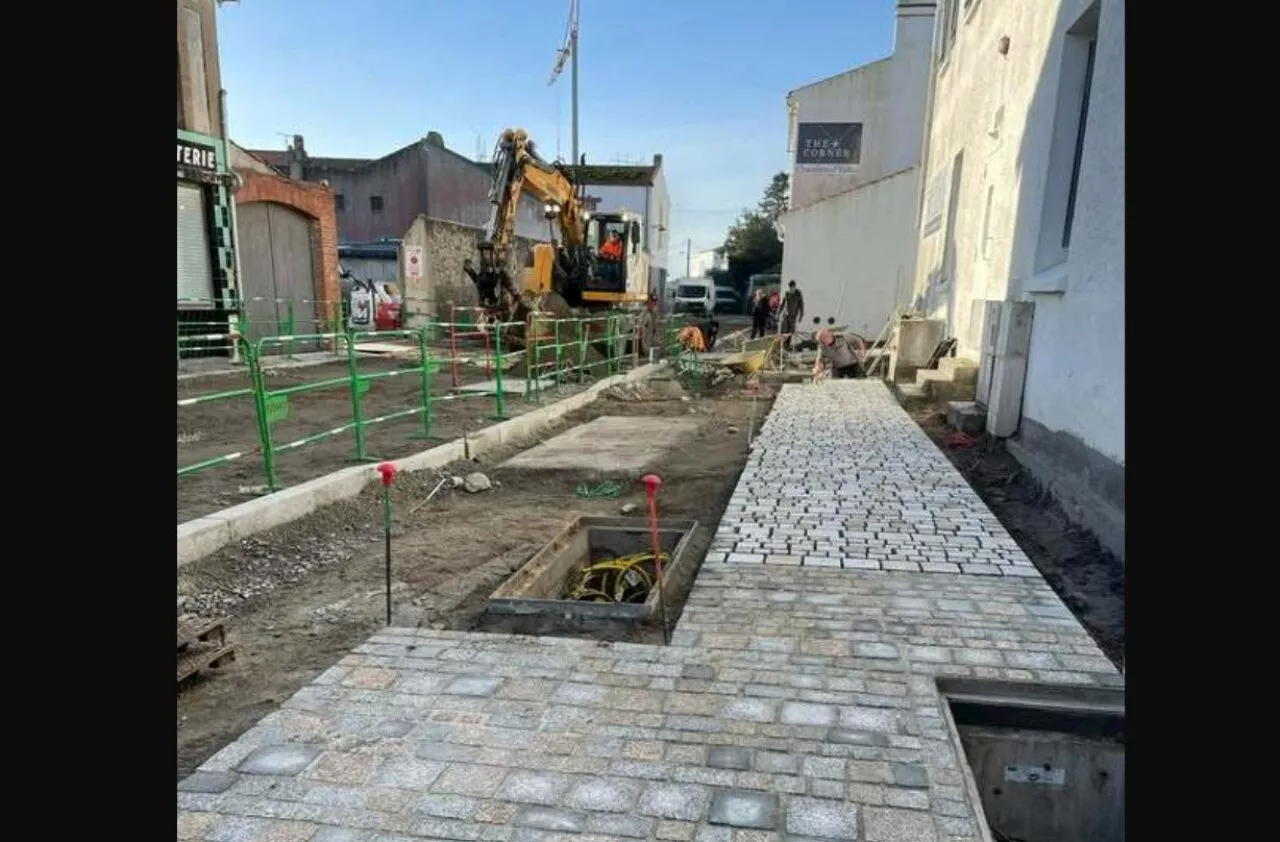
column 853, row 255
column 1075, row 369
column 999, row 110
column 889, row 97
column 857, row 96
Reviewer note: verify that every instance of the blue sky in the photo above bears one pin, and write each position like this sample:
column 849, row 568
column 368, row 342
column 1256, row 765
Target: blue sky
column 704, row 82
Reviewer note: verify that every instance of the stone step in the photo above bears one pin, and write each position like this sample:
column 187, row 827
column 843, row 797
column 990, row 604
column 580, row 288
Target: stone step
column 967, row 374
column 910, row 395
column 941, row 391
column 949, row 365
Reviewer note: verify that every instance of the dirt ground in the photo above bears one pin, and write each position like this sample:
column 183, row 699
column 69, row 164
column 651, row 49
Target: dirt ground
column 221, row 427
column 303, row 595
column 1086, row 577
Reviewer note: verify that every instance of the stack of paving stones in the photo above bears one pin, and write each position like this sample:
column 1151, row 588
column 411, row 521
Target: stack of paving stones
column 796, row 701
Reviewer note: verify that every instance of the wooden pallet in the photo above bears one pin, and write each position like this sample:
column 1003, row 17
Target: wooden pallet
column 202, row 644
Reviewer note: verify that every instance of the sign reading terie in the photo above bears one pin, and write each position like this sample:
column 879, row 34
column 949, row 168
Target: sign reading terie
column 828, row 148
column 197, row 161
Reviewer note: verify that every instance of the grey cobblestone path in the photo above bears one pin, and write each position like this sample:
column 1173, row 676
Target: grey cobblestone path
column 796, row 702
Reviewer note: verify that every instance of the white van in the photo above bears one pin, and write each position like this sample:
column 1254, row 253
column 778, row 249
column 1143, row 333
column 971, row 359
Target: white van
column 695, row 295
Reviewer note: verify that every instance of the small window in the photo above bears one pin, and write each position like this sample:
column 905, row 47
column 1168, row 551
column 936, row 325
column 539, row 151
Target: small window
column 375, row 204
column 1079, row 148
column 947, row 32
column 339, row 201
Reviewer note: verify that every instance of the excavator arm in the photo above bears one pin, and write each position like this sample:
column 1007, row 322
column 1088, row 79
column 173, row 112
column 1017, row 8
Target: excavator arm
column 518, row 169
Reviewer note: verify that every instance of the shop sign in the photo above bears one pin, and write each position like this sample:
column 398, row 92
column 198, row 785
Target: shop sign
column 197, row 161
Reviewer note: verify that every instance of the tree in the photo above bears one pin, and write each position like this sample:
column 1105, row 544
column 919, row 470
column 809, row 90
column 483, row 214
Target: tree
column 752, row 244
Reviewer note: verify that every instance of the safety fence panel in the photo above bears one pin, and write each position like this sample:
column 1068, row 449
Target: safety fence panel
column 554, row 350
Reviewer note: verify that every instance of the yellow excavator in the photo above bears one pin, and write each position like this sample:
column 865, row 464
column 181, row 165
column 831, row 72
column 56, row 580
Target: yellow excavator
column 596, row 265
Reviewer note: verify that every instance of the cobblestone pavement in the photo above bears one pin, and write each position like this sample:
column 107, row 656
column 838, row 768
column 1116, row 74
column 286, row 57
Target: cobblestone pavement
column 797, row 700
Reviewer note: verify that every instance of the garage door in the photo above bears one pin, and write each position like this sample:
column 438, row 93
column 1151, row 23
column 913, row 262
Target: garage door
column 276, row 270
column 195, row 266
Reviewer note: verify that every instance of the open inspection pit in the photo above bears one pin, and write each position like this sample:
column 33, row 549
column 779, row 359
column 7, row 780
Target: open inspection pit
column 539, row 597
column 1044, row 762
column 609, row 444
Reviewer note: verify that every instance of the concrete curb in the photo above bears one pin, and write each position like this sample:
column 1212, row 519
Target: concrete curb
column 204, row 536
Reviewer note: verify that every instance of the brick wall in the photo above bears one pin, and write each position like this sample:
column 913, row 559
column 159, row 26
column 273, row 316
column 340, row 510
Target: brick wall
column 316, row 202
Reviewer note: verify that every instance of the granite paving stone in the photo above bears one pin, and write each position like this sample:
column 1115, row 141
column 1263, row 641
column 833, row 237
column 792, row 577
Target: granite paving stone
column 796, row 701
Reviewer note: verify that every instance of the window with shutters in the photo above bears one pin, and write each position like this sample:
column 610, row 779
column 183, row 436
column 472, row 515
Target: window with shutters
column 195, row 266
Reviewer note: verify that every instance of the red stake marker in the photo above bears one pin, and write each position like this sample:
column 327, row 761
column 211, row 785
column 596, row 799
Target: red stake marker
column 387, row 471
column 651, row 484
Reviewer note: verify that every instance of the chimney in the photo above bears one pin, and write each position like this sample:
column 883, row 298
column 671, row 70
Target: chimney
column 914, row 25
column 657, row 161
column 435, row 139
column 297, row 159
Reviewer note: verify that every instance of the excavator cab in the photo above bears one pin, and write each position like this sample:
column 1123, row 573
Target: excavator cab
column 612, row 240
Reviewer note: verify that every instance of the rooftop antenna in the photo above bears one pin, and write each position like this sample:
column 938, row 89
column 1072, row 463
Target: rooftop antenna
column 570, row 51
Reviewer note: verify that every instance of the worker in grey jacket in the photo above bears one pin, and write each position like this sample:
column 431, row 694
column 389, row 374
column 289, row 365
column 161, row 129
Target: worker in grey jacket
column 842, row 354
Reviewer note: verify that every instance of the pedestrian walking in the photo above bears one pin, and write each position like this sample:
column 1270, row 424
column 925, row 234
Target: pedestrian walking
column 759, row 315
column 843, row 355
column 792, row 313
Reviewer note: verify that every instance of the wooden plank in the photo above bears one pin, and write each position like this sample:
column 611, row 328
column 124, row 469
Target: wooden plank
column 195, row 660
column 197, row 630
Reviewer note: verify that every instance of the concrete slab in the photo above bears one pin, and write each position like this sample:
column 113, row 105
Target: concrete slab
column 607, row 445
column 510, row 386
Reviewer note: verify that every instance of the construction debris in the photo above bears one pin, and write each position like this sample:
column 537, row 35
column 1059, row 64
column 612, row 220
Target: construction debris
column 476, row 482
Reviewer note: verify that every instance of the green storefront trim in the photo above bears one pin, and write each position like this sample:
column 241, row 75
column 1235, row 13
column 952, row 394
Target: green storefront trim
column 223, row 233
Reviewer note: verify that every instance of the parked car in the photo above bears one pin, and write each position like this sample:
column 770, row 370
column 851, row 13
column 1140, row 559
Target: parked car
column 727, row 300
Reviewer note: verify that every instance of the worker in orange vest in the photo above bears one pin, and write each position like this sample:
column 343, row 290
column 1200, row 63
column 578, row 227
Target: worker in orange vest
column 612, row 249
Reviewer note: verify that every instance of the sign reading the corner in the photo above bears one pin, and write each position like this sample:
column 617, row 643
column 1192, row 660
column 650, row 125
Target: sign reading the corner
column 828, row 148
column 197, row 161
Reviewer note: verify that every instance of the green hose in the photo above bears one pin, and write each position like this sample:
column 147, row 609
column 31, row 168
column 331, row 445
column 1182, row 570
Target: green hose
column 604, row 489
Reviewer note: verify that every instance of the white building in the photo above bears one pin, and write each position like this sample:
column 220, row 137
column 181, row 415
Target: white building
column 702, row 262
column 613, row 188
column 856, row 141
column 1024, row 202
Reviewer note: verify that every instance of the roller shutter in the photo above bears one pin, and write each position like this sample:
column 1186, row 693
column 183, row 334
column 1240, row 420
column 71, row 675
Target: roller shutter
column 195, row 267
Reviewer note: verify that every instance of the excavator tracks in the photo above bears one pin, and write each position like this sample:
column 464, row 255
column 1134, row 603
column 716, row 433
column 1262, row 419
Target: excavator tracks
column 202, row 645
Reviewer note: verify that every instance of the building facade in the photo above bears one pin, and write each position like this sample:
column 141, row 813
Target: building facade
column 379, row 198
column 207, row 285
column 701, row 263
column 613, row 188
column 856, row 142
column 1023, row 205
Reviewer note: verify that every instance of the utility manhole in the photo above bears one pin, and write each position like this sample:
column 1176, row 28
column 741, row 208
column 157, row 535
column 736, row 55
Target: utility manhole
column 597, row 576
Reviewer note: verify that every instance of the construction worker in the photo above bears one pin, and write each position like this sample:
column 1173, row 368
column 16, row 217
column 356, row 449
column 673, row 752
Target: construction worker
column 792, row 313
column 690, row 339
column 612, row 248
column 759, row 315
column 844, row 355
